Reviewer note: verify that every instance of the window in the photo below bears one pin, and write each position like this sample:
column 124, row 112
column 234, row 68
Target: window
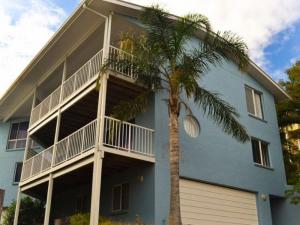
column 17, row 136
column 260, row 152
column 18, row 172
column 254, row 103
column 120, row 197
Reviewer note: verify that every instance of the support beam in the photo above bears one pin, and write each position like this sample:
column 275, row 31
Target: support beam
column 18, row 204
column 48, row 202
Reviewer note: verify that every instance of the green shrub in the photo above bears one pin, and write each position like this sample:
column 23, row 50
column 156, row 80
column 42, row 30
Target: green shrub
column 31, row 212
column 84, row 219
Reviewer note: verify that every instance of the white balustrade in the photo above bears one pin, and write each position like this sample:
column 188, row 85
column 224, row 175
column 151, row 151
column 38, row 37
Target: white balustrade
column 73, row 84
column 122, row 62
column 127, row 136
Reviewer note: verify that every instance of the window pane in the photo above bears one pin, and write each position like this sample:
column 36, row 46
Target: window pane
column 249, row 100
column 258, row 106
column 117, row 198
column 13, row 131
column 22, row 133
column 125, row 196
column 21, row 143
column 255, row 151
column 265, row 154
column 18, row 172
column 11, row 144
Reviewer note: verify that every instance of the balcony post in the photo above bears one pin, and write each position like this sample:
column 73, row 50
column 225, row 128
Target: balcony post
column 18, row 204
column 98, row 154
column 57, row 129
column 48, row 201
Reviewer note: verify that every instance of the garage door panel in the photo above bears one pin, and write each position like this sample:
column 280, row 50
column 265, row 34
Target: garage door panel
column 191, row 221
column 215, row 189
column 222, row 212
column 215, row 205
column 194, row 192
column 224, row 202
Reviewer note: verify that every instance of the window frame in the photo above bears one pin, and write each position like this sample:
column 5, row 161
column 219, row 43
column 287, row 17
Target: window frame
column 16, row 139
column 253, row 92
column 261, row 156
column 120, row 210
column 15, row 172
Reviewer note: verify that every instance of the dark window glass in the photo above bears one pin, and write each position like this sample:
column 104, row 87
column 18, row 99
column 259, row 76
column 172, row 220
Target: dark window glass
column 256, row 151
column 249, row 100
column 18, row 172
column 125, row 196
column 265, row 154
column 17, row 136
column 117, row 198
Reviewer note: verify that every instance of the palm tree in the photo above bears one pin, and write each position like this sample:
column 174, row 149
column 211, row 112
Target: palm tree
column 164, row 62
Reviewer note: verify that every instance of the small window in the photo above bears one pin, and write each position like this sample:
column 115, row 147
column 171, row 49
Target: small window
column 260, row 152
column 17, row 136
column 120, row 197
column 18, row 172
column 254, row 103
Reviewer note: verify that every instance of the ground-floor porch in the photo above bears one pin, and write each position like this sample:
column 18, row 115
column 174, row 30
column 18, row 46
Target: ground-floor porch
column 127, row 191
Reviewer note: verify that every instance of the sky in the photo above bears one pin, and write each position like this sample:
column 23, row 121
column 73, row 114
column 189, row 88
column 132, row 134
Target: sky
column 271, row 29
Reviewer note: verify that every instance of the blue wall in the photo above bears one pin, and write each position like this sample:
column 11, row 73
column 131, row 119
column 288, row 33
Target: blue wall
column 8, row 159
column 215, row 157
column 285, row 213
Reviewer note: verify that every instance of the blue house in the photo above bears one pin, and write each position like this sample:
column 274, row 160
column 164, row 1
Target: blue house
column 88, row 161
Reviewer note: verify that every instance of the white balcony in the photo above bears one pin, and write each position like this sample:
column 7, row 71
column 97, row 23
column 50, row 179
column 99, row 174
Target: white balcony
column 118, row 136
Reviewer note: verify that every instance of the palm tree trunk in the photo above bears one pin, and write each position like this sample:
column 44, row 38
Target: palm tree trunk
column 174, row 154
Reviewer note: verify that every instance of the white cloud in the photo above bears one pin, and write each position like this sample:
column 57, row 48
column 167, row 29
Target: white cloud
column 25, row 28
column 256, row 21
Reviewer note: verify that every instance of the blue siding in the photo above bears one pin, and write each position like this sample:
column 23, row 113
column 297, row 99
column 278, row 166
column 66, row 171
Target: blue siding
column 8, row 159
column 217, row 158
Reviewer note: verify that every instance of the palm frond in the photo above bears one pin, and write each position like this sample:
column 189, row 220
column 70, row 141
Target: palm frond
column 229, row 46
column 127, row 110
column 221, row 112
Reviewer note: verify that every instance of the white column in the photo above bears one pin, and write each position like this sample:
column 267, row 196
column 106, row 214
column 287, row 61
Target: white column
column 18, row 204
column 98, row 154
column 48, row 201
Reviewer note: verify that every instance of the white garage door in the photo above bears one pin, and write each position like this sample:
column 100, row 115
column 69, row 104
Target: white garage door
column 206, row 204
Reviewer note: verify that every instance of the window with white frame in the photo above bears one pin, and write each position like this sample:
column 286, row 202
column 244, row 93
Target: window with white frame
column 17, row 135
column 120, row 197
column 254, row 102
column 18, row 172
column 260, row 152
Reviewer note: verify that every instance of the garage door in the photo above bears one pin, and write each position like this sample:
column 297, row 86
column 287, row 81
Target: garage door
column 206, row 204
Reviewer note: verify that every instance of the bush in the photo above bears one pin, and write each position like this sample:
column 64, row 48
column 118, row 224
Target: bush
column 31, row 212
column 84, row 219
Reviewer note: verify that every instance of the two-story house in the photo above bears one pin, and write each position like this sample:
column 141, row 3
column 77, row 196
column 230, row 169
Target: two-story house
column 91, row 162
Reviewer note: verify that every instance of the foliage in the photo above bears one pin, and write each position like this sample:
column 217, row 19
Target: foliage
column 31, row 212
column 84, row 219
column 288, row 113
column 166, row 59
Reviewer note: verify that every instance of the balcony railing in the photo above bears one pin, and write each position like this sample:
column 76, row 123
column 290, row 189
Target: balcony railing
column 69, row 87
column 128, row 137
column 118, row 135
column 121, row 63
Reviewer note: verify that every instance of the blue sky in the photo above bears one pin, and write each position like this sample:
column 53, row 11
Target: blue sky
column 271, row 28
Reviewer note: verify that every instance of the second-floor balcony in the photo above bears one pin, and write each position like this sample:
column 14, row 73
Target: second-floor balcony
column 117, row 137
column 84, row 76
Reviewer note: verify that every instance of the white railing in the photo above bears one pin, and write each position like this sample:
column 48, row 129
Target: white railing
column 47, row 105
column 73, row 84
column 84, row 74
column 127, row 136
column 37, row 164
column 76, row 143
column 124, row 66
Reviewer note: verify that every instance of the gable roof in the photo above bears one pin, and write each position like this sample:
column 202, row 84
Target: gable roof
column 126, row 8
